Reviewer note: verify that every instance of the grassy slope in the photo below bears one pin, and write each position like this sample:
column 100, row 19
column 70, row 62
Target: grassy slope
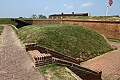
column 67, row 39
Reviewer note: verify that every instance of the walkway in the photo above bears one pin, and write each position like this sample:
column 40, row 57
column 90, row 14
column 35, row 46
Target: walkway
column 15, row 63
column 108, row 63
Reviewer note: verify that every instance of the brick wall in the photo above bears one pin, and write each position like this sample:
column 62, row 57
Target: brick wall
column 44, row 21
column 63, row 60
column 109, row 29
column 53, row 53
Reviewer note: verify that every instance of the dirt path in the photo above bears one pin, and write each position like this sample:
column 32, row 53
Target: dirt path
column 108, row 63
column 15, row 63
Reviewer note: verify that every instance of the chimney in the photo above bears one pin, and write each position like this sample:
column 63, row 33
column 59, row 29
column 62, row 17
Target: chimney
column 72, row 13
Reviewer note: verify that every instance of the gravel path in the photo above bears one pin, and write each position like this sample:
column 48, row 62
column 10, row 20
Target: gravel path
column 108, row 63
column 15, row 63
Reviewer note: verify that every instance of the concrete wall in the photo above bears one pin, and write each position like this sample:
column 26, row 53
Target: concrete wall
column 107, row 28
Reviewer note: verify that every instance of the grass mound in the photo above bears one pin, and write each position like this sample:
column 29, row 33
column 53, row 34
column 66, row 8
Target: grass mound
column 71, row 40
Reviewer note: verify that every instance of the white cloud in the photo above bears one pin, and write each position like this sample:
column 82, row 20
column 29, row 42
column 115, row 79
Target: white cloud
column 46, row 8
column 69, row 7
column 86, row 4
column 65, row 5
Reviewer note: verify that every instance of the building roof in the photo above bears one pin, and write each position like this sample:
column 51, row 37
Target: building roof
column 79, row 14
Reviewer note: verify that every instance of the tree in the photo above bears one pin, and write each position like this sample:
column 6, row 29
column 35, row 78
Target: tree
column 20, row 17
column 42, row 16
column 34, row 16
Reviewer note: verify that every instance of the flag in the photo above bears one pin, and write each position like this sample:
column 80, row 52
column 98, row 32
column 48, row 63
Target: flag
column 110, row 2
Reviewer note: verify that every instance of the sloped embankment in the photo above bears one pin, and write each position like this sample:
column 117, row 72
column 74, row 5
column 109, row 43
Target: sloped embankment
column 71, row 40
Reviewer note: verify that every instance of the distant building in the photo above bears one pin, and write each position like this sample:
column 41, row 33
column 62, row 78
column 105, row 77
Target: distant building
column 61, row 16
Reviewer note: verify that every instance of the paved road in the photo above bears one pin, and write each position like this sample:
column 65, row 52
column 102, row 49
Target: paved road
column 15, row 63
column 108, row 63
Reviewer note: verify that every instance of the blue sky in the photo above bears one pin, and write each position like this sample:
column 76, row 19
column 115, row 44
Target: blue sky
column 25, row 8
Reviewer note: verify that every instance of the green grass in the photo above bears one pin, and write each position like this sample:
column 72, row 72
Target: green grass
column 52, row 67
column 1, row 29
column 7, row 21
column 114, row 40
column 56, row 72
column 71, row 40
column 96, row 17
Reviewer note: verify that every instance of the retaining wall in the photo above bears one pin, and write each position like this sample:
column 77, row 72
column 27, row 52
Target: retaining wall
column 62, row 60
column 53, row 53
column 84, row 73
column 107, row 28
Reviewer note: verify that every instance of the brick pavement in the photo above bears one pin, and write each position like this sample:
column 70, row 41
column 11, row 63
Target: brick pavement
column 15, row 63
column 108, row 63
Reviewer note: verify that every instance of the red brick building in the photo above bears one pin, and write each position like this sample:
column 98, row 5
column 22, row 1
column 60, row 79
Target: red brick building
column 61, row 16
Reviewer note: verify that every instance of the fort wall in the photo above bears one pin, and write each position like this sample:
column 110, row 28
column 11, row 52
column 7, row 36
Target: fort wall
column 108, row 28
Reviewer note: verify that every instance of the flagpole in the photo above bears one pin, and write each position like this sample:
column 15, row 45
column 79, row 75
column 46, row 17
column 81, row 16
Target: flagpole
column 107, row 10
column 110, row 4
